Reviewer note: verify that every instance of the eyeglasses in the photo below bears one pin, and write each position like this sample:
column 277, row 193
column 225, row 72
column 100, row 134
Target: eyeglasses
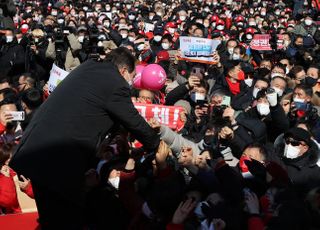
column 292, row 141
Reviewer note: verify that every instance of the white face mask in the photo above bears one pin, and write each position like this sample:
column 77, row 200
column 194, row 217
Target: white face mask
column 308, row 22
column 220, row 27
column 54, row 13
column 248, row 82
column 159, row 14
column 114, row 182
column 263, row 109
column 150, row 18
column 140, row 47
column 106, row 24
column 230, row 50
column 124, row 36
column 291, row 152
column 287, row 69
column 298, row 100
column 182, row 18
column 252, row 23
column 198, row 210
column 80, row 39
column 278, row 91
column 165, row 46
column 263, row 13
column 131, row 17
column 249, row 36
column 131, row 39
column 100, row 43
column 255, row 92
column 157, row 38
column 235, row 57
column 60, row 21
column 171, row 30
column 197, row 96
column 9, row 39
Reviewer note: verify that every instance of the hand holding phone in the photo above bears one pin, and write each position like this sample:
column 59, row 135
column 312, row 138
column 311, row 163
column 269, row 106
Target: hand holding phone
column 193, row 81
column 226, row 100
column 16, row 115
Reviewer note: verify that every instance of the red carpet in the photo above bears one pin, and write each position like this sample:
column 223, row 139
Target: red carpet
column 23, row 221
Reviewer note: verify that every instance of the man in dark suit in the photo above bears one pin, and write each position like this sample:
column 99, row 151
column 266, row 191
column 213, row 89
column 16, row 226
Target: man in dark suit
column 64, row 134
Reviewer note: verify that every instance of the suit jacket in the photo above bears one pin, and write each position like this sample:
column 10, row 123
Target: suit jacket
column 67, row 129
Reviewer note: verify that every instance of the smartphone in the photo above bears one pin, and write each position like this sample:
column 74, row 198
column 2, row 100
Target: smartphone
column 226, row 101
column 196, row 71
column 17, row 115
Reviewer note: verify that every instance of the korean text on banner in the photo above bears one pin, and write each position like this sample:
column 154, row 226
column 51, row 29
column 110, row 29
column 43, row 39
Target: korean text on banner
column 261, row 42
column 166, row 115
column 56, row 76
column 196, row 49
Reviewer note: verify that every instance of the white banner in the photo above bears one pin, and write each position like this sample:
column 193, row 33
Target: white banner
column 56, row 76
column 196, row 49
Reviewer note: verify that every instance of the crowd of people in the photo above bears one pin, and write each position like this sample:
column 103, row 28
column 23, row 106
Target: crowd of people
column 248, row 156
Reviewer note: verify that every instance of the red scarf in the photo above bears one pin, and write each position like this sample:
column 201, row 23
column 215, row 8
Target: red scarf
column 233, row 87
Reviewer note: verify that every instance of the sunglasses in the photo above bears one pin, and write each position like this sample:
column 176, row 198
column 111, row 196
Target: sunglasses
column 293, row 142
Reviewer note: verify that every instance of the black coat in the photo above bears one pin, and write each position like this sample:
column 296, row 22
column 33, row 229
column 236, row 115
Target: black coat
column 66, row 131
column 303, row 171
column 12, row 58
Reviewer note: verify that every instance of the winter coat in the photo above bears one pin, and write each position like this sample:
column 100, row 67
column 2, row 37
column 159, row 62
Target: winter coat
column 71, row 59
column 304, row 30
column 303, row 171
column 8, row 11
column 12, row 58
column 275, row 122
column 37, row 63
column 96, row 99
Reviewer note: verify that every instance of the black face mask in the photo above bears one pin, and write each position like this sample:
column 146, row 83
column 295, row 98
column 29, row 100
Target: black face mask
column 208, row 139
column 310, row 81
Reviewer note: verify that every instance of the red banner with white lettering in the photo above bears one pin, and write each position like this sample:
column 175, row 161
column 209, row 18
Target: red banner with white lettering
column 261, row 42
column 166, row 115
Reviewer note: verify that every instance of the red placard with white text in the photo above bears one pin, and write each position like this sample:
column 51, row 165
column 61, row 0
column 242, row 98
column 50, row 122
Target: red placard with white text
column 166, row 115
column 261, row 42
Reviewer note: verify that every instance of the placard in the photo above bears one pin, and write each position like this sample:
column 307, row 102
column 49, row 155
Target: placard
column 166, row 115
column 196, row 49
column 261, row 42
column 56, row 76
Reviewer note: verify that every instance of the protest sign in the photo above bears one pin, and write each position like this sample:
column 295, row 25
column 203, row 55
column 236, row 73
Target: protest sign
column 166, row 115
column 56, row 76
column 196, row 49
column 148, row 27
column 261, row 42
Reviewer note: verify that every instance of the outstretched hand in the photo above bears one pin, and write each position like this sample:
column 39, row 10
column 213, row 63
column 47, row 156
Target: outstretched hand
column 183, row 210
